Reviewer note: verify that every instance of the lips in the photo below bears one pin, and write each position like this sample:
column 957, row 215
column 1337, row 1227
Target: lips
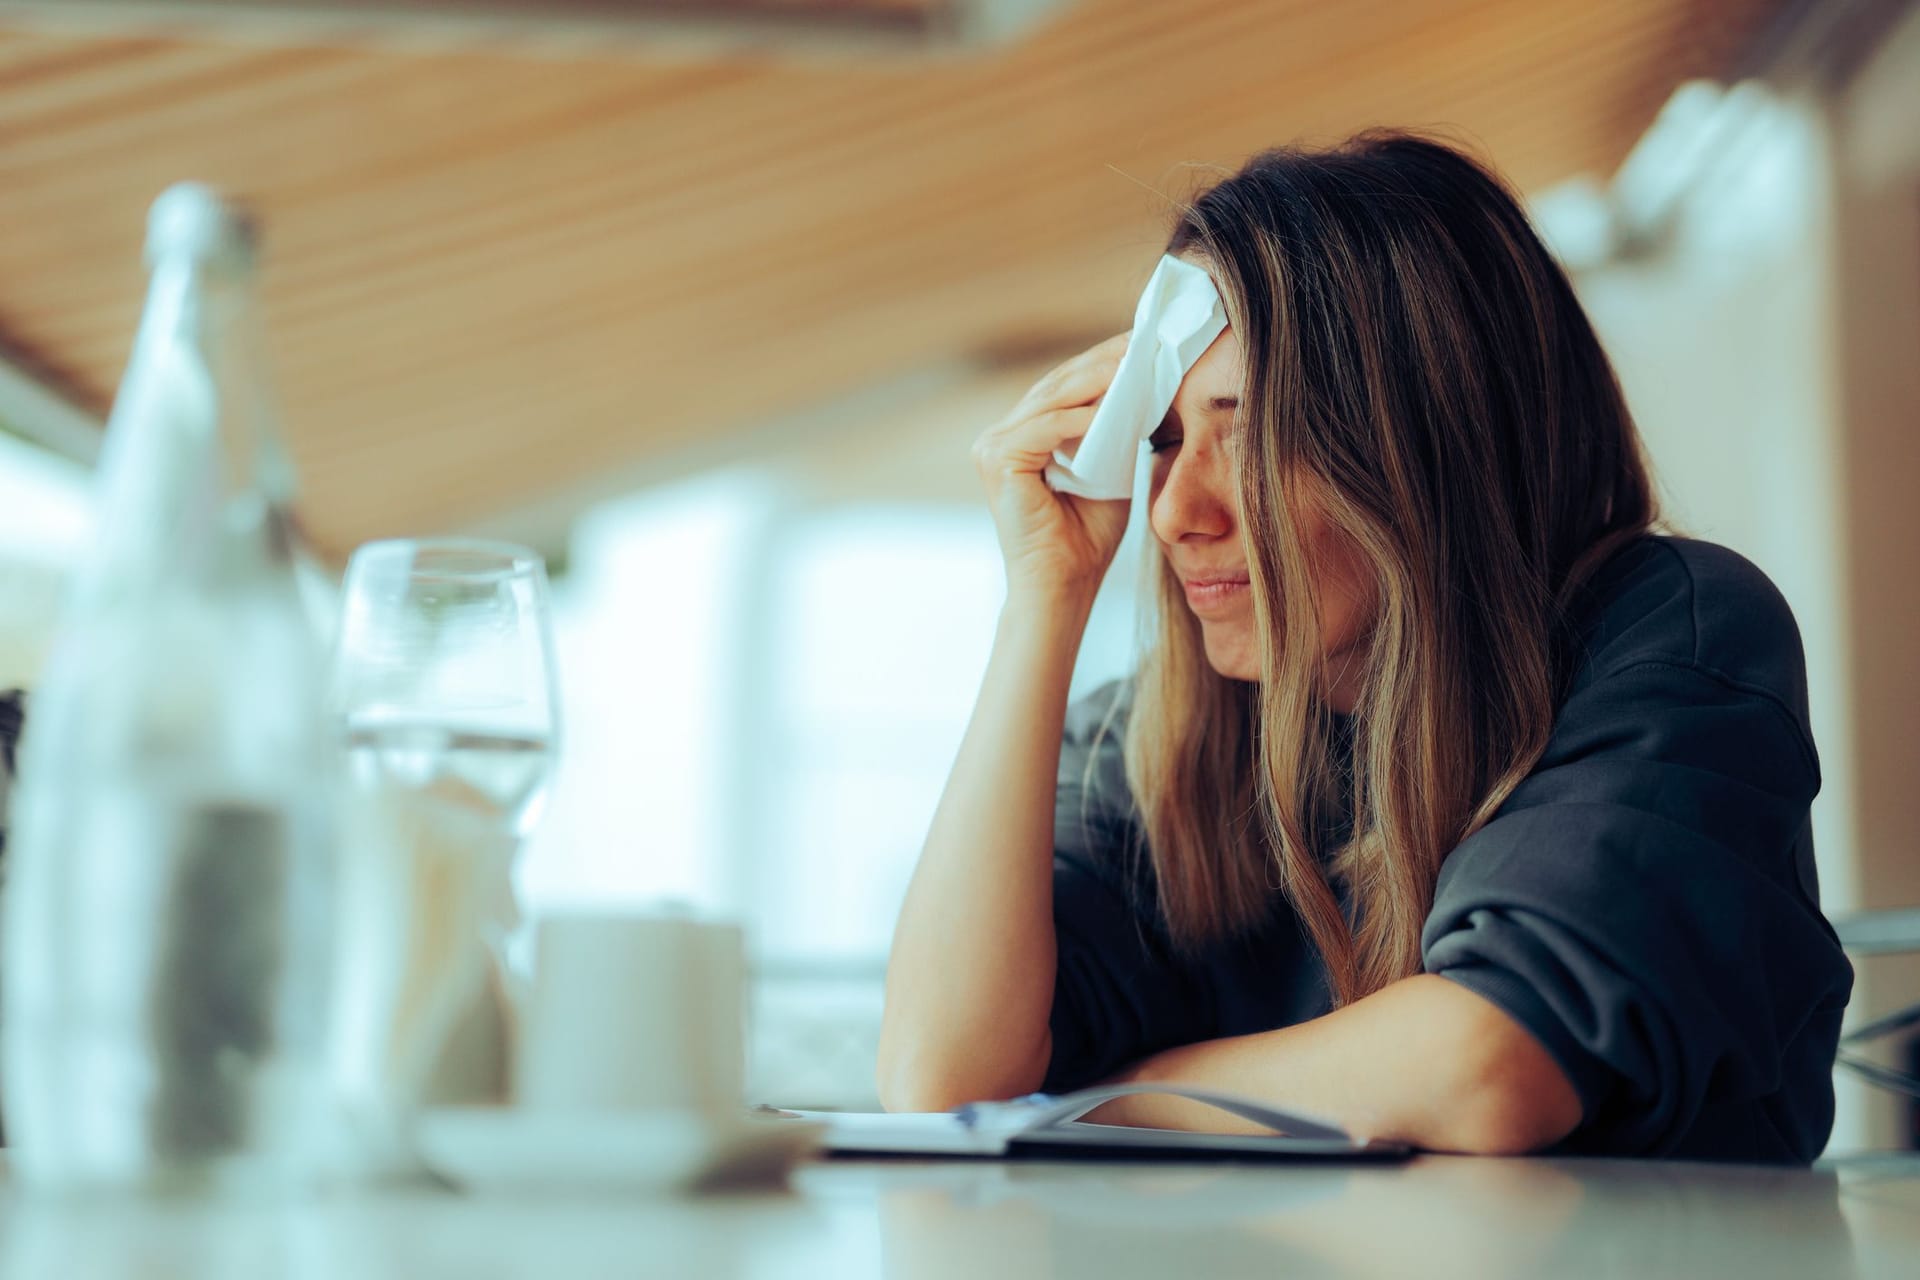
column 1215, row 593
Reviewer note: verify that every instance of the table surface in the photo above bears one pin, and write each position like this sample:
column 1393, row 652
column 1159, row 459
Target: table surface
column 1434, row 1217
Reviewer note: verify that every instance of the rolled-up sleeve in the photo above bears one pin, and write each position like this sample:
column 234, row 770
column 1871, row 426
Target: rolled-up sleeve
column 1119, row 992
column 1645, row 905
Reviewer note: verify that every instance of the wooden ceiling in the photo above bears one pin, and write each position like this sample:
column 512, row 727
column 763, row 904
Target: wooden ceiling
column 499, row 282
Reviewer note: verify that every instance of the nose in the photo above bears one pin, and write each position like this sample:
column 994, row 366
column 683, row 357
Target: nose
column 1194, row 498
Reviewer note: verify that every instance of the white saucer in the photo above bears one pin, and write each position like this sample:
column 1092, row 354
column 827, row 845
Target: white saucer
column 489, row 1149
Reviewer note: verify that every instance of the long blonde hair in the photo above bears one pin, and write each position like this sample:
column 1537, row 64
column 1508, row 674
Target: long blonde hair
column 1417, row 367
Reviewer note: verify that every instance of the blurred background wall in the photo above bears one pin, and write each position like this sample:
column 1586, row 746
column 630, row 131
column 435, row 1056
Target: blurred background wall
column 710, row 307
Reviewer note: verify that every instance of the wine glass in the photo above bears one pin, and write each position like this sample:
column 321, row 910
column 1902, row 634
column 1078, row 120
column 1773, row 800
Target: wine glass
column 444, row 684
column 444, row 674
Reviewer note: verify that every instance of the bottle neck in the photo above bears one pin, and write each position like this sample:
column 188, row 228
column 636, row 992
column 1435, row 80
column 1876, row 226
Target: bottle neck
column 193, row 478
column 228, row 335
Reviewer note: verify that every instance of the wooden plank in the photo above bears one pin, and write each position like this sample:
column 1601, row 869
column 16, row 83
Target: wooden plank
column 491, row 279
column 555, row 27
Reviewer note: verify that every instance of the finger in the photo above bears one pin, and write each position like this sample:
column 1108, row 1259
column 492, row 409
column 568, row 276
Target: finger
column 1080, row 380
column 1027, row 444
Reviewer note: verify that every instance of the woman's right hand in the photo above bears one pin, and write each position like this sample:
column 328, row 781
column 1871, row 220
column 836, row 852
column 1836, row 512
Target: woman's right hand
column 1056, row 545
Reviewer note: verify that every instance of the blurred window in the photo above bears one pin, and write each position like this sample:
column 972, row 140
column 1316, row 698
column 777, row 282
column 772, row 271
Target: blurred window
column 763, row 699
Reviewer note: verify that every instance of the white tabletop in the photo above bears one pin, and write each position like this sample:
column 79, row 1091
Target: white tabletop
column 1435, row 1217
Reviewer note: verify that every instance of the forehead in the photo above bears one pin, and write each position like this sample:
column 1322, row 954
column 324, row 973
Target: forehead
column 1208, row 400
column 1218, row 372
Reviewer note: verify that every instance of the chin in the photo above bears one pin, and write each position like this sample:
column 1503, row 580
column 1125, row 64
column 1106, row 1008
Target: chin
column 1233, row 663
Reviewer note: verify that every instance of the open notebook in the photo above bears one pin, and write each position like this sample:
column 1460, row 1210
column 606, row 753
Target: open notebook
column 1045, row 1124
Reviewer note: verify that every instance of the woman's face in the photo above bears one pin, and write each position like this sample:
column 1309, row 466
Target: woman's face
column 1195, row 515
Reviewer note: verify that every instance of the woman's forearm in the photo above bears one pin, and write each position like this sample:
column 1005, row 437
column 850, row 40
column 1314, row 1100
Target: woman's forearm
column 1424, row 1061
column 970, row 976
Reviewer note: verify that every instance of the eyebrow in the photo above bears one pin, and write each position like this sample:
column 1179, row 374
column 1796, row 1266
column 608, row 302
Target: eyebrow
column 1218, row 404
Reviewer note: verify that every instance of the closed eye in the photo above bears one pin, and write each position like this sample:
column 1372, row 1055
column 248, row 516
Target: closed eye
column 1169, row 435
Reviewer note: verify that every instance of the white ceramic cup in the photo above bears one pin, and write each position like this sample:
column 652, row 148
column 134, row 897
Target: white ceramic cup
column 633, row 1011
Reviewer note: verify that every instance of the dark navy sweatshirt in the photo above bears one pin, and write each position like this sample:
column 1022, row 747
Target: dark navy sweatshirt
column 1644, row 904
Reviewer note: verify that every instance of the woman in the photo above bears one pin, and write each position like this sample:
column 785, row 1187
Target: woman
column 1448, row 802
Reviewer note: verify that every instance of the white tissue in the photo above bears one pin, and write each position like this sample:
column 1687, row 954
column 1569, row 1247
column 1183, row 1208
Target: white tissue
column 1179, row 316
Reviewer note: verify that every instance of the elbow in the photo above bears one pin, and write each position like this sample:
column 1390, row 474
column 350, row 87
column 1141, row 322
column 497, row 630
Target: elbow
column 920, row 1094
column 1511, row 1103
column 1505, row 1094
column 920, row 1082
column 907, row 1087
column 1504, row 1121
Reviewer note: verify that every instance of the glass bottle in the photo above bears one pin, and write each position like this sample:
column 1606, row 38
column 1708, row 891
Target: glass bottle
column 168, row 915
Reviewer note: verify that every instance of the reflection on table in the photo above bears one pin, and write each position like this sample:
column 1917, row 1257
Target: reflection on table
column 1435, row 1217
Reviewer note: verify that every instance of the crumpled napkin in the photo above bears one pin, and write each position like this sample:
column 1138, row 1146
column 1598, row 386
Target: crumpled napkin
column 1179, row 316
